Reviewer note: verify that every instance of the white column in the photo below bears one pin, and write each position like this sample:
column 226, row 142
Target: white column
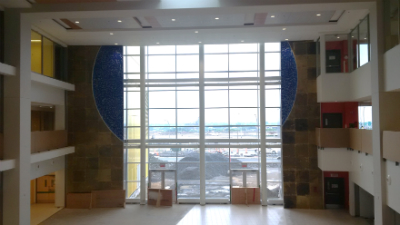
column 202, row 128
column 60, row 188
column 143, row 186
column 263, row 165
column 17, row 119
column 322, row 51
column 381, row 210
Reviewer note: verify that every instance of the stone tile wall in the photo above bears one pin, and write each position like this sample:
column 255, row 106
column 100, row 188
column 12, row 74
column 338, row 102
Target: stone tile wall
column 301, row 176
column 97, row 163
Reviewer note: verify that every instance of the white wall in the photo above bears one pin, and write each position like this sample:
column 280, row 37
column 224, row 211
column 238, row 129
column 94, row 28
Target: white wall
column 334, row 159
column 393, row 189
column 345, row 87
column 366, row 204
column 392, row 69
column 46, row 94
column 362, row 171
column 45, row 167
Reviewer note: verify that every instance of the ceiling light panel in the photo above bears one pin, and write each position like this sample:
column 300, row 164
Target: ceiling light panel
column 106, row 23
column 299, row 18
column 202, row 21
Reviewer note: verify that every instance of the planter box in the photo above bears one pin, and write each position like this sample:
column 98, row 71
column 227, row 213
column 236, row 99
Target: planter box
column 246, row 196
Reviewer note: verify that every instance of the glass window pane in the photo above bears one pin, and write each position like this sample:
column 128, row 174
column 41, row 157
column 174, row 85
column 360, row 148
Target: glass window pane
column 216, row 117
column 273, row 132
column 216, row 99
column 241, row 62
column 188, row 99
column 132, row 50
column 133, row 172
column 272, row 116
column 187, row 76
column 243, row 48
column 48, row 57
column 243, row 74
column 188, row 117
column 216, row 62
column 272, row 61
column 244, row 116
column 243, row 98
column 133, row 133
column 187, row 49
column 133, row 117
column 273, row 98
column 336, row 53
column 36, row 52
column 161, row 76
column 364, row 41
column 162, row 99
column 132, row 190
column 272, row 73
column 217, row 132
column 161, row 63
column 215, row 48
column 187, row 63
column 217, row 178
column 133, row 64
column 163, row 49
column 272, row 47
column 215, row 75
column 248, row 132
column 133, row 100
column 354, row 46
column 188, row 132
column 162, row 117
column 133, row 155
column 162, row 132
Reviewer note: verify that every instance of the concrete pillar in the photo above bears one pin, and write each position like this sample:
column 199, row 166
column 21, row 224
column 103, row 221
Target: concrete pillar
column 382, row 213
column 60, row 188
column 17, row 119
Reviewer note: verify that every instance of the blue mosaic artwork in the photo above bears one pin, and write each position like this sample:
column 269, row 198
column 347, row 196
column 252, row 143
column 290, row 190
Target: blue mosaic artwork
column 108, row 87
column 288, row 80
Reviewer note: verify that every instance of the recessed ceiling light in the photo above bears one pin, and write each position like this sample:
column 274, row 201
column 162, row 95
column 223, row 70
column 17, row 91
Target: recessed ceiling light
column 216, row 18
column 272, row 16
column 286, row 39
column 111, row 33
column 284, row 28
column 242, row 41
column 77, row 21
column 352, row 36
column 337, row 37
column 173, row 19
column 199, row 42
column 119, row 21
column 158, row 43
column 116, row 43
column 196, row 32
column 318, row 14
column 365, row 38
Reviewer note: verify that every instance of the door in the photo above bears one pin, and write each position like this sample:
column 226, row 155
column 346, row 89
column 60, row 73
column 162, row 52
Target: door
column 333, row 61
column 332, row 120
column 334, row 192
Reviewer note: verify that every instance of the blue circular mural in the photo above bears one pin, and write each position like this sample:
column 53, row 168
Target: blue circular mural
column 288, row 80
column 108, row 87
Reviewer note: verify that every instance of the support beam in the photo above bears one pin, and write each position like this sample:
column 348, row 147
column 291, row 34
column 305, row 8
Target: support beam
column 202, row 128
column 60, row 188
column 17, row 119
column 263, row 165
column 142, row 127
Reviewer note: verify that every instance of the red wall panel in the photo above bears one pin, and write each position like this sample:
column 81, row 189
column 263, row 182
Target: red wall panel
column 349, row 112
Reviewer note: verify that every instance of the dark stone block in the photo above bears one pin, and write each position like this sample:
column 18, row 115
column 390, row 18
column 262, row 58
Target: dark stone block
column 313, row 123
column 104, row 185
column 288, row 125
column 117, row 175
column 300, row 48
column 312, row 98
column 302, row 177
column 290, row 189
column 301, row 124
column 301, row 99
column 91, row 176
column 313, row 164
column 117, row 163
column 302, row 163
column 312, row 73
column 311, row 48
column 289, row 163
column 301, row 151
column 312, row 151
column 79, row 176
column 303, row 189
column 301, row 137
column 117, row 150
column 289, row 202
column 105, row 151
column 289, row 176
column 105, row 163
column 313, row 111
column 288, row 150
column 288, row 138
column 92, row 163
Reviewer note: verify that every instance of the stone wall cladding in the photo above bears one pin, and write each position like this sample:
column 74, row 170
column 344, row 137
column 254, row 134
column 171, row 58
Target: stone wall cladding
column 97, row 163
column 302, row 179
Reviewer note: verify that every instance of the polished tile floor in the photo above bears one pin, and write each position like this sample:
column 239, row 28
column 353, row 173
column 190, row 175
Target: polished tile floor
column 207, row 215
column 41, row 211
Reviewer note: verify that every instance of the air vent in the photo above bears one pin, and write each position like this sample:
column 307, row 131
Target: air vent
column 336, row 16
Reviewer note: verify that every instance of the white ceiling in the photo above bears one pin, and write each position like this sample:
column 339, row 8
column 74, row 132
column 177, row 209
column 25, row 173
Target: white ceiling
column 301, row 23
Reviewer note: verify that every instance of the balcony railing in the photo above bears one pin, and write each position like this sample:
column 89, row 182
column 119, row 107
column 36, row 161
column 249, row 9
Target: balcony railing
column 356, row 139
column 390, row 145
column 48, row 140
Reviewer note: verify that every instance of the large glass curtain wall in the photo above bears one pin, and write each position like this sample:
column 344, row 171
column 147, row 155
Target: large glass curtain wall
column 214, row 89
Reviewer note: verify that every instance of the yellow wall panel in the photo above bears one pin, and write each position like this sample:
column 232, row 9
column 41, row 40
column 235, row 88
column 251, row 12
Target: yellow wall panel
column 48, row 57
column 36, row 52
